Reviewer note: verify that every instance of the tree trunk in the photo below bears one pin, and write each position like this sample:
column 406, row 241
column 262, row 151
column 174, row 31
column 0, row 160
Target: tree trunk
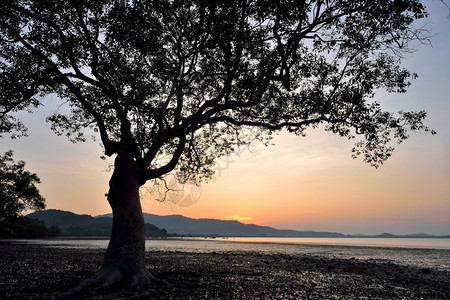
column 124, row 261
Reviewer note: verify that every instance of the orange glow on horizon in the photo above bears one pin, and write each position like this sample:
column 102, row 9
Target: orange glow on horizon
column 238, row 218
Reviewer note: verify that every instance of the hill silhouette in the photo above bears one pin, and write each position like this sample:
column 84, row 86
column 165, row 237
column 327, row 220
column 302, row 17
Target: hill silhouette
column 85, row 225
column 213, row 227
column 66, row 219
column 77, row 224
column 172, row 225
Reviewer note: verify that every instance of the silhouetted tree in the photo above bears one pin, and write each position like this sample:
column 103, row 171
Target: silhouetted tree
column 54, row 230
column 172, row 85
column 18, row 190
column 27, row 228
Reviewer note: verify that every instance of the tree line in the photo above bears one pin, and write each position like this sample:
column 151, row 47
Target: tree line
column 28, row 228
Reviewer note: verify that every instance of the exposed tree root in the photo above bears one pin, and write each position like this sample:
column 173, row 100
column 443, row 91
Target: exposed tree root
column 107, row 278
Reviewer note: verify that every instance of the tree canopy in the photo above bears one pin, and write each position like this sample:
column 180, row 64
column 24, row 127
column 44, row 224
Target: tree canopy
column 180, row 83
column 18, row 190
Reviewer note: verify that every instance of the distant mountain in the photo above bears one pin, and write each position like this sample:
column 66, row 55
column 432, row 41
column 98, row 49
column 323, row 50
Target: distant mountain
column 213, row 227
column 416, row 235
column 74, row 224
column 85, row 225
column 66, row 219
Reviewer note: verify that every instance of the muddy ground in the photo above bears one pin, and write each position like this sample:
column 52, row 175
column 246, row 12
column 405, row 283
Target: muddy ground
column 37, row 272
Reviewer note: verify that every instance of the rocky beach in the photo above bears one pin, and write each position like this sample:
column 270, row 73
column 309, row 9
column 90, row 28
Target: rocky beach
column 40, row 272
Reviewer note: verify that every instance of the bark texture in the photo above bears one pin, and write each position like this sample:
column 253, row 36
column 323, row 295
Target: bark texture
column 126, row 249
column 124, row 261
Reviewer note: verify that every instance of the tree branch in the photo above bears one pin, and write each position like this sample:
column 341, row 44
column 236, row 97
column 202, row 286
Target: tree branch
column 170, row 166
column 271, row 126
column 110, row 146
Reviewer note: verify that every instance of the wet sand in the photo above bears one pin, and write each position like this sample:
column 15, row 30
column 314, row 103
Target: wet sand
column 38, row 272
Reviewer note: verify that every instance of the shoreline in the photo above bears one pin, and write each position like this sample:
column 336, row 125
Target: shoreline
column 36, row 272
column 440, row 243
column 422, row 257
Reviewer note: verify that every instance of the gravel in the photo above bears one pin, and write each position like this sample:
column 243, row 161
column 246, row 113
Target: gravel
column 39, row 272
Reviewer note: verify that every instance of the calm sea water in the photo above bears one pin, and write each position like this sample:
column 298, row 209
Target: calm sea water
column 430, row 243
column 426, row 253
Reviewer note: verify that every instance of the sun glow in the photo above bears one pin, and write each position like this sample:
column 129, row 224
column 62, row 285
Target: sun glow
column 238, row 218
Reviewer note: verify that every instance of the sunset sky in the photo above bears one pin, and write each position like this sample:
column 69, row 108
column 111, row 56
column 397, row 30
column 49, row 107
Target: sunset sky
column 309, row 183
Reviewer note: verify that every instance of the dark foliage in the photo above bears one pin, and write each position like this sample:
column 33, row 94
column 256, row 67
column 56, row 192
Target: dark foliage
column 54, row 231
column 18, row 190
column 177, row 82
column 23, row 227
column 153, row 231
